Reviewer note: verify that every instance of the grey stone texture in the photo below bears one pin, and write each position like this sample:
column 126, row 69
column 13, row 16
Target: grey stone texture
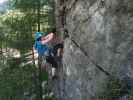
column 104, row 29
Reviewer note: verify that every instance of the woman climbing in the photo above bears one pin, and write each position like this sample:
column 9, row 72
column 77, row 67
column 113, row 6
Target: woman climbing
column 56, row 51
column 43, row 50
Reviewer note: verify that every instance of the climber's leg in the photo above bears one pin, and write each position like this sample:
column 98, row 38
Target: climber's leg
column 52, row 61
column 54, row 64
column 58, row 50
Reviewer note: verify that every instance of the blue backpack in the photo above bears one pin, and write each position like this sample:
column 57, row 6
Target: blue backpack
column 41, row 48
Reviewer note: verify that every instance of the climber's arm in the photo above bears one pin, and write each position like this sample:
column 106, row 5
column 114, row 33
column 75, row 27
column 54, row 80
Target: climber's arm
column 47, row 38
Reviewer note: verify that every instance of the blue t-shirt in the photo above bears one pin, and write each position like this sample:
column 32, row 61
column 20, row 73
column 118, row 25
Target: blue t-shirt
column 41, row 48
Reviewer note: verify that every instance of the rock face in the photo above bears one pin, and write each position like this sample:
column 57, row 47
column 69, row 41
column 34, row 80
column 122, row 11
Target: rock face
column 100, row 33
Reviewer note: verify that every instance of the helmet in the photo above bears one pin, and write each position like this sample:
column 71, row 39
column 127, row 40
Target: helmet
column 39, row 34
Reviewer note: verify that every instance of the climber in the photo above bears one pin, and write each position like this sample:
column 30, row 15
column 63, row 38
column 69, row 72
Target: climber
column 56, row 49
column 50, row 46
column 44, row 50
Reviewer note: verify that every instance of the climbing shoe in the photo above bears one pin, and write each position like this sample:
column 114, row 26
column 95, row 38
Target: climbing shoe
column 53, row 71
column 54, row 76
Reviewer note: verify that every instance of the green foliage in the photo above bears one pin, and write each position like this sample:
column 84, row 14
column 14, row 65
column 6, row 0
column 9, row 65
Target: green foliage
column 28, row 5
column 114, row 89
column 15, row 81
column 50, row 98
column 17, row 26
column 19, row 35
column 130, row 95
column 45, row 76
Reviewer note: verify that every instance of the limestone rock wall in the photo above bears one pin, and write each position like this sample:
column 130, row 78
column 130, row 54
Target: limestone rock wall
column 104, row 30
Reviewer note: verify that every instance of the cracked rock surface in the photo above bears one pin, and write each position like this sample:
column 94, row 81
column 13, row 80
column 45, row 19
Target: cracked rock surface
column 104, row 29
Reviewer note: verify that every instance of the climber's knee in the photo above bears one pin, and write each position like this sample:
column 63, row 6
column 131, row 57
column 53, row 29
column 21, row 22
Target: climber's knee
column 52, row 61
column 58, row 50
